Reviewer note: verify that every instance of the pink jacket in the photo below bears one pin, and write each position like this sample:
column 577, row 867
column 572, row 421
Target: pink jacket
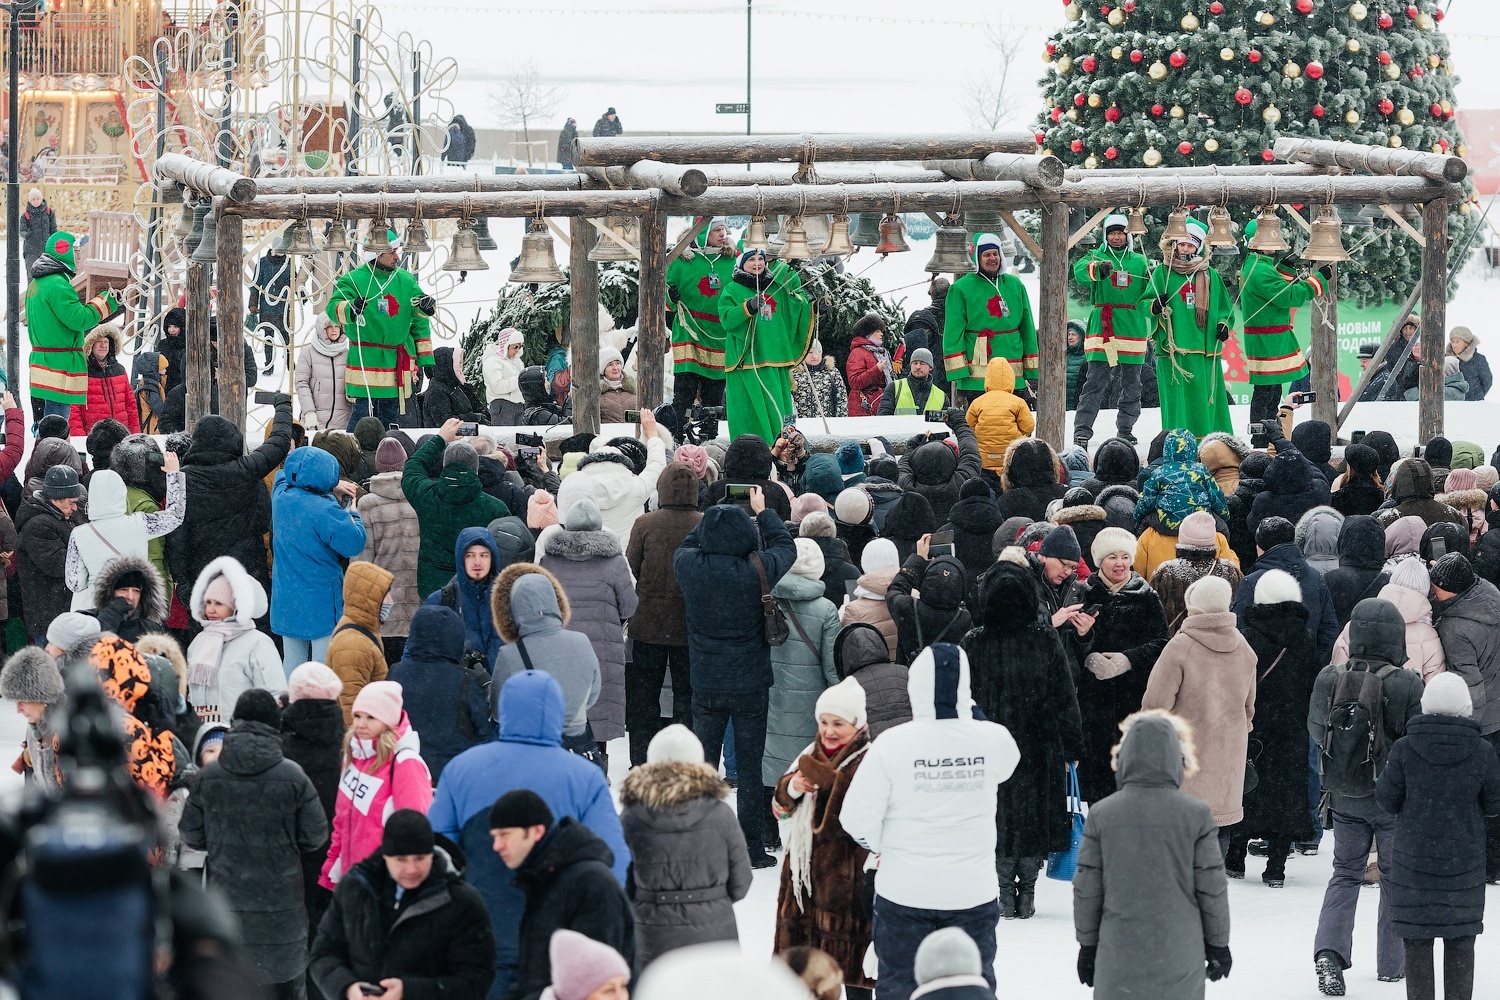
column 367, row 797
column 1424, row 650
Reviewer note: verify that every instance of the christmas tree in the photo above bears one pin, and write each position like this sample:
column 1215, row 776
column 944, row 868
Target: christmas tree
column 1201, row 82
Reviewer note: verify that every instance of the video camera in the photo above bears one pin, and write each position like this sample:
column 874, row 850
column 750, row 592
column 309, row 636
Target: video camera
column 702, row 423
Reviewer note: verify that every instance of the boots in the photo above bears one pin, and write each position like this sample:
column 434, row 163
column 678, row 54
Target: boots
column 1005, row 868
column 770, row 828
column 1027, row 869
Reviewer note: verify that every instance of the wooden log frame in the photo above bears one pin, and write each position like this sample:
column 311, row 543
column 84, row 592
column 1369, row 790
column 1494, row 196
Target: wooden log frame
column 230, row 377
column 652, row 341
column 805, row 147
column 495, row 204
column 1323, row 354
column 684, row 182
column 1052, row 328
column 1045, row 172
column 842, row 173
column 583, row 325
column 1434, row 329
column 206, row 178
column 198, row 376
column 1372, row 159
column 426, row 183
column 1240, row 170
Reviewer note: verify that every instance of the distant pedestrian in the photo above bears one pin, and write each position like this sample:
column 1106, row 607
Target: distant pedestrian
column 565, row 140
column 607, row 125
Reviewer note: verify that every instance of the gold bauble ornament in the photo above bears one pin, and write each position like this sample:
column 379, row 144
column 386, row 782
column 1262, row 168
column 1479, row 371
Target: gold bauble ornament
column 1047, row 57
column 1177, row 111
column 1358, row 11
column 1151, row 158
column 1396, row 141
column 1447, row 67
column 1436, row 148
column 1434, row 60
column 1271, row 115
column 1095, row 100
column 1072, row 114
column 1446, row 106
column 1351, row 117
column 1291, row 71
column 1158, row 70
column 1461, row 150
column 1117, row 53
column 1353, row 45
column 1051, row 103
column 1091, row 163
column 1189, row 22
column 1424, row 22
column 1266, row 18
column 1073, row 11
column 1211, row 145
column 1065, row 63
column 1117, row 17
column 1226, row 54
column 1405, row 117
column 1391, row 71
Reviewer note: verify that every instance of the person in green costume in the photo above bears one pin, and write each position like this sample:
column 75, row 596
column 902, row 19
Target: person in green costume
column 1116, row 278
column 384, row 313
column 56, row 322
column 1268, row 294
column 768, row 328
column 1191, row 311
column 694, row 281
column 988, row 315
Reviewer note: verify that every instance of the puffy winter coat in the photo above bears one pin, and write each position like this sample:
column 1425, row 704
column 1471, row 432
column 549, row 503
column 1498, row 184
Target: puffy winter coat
column 352, row 654
column 1221, row 454
column 1150, row 890
column 446, row 702
column 132, row 623
column 1424, row 650
column 436, row 938
column 1441, row 779
column 531, row 609
column 1293, row 487
column 1321, row 616
column 502, row 375
column 445, row 505
column 868, row 605
column 393, row 542
column 1179, row 486
column 1115, row 464
column 661, row 614
column 1412, row 489
column 445, row 396
column 319, row 384
column 1471, row 647
column 1317, row 535
column 620, row 494
column 254, row 812
column 999, row 416
column 747, row 462
column 867, row 369
column 1359, row 573
column 112, row 532
column 933, row 470
column 41, row 561
column 315, row 536
column 1471, row 506
column 369, row 791
column 802, row 672
column 109, row 392
column 1155, row 548
column 1029, row 480
column 1286, row 668
column 1172, row 578
column 471, row 598
column 689, row 865
column 860, row 652
column 312, row 737
column 249, row 660
column 926, row 602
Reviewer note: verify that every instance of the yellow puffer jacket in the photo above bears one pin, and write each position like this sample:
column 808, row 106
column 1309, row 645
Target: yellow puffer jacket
column 999, row 416
column 352, row 654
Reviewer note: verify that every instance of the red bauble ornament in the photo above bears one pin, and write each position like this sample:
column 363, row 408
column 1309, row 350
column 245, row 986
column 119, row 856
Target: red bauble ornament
column 1416, row 71
column 1253, row 55
column 1056, row 115
column 1078, row 100
column 1216, row 7
column 1041, row 137
column 1443, row 145
column 1267, row 155
column 1157, row 110
column 1386, row 21
column 1385, row 106
column 1438, row 15
column 1112, row 114
column 1111, row 153
column 1384, row 58
column 1090, row 64
column 1178, row 59
column 1052, row 48
column 1314, row 70
column 1437, row 110
column 1136, row 55
column 1104, row 10
column 1411, row 11
column 1077, row 145
column 1243, row 96
column 1185, row 148
column 1304, row 6
column 1128, row 6
column 1319, row 111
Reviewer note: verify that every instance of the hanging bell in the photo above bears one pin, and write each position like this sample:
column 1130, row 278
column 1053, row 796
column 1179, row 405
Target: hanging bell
column 378, row 240
column 838, row 244
column 1176, row 227
column 951, row 255
column 300, row 240
column 416, row 237
column 795, row 246
column 866, row 230
column 892, row 236
column 482, row 234
column 201, row 209
column 1325, row 244
column 207, row 251
column 816, row 228
column 1351, row 216
column 773, row 228
column 1268, row 238
column 1221, row 232
column 538, row 263
column 983, row 222
column 755, row 234
column 464, row 256
column 1136, row 226
column 628, row 228
column 337, row 239
column 184, row 219
column 1078, row 218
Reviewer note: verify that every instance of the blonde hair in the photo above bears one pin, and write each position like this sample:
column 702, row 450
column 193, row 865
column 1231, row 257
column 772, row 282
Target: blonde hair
column 385, row 746
column 1184, row 738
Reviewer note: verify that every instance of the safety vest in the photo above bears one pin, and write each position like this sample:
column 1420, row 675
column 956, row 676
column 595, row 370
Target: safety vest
column 906, row 405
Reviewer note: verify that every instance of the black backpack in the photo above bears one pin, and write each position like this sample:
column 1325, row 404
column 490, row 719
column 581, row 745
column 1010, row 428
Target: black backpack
column 1355, row 747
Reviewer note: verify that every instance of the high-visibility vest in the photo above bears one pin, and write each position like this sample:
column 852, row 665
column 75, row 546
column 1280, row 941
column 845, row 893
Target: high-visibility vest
column 907, row 405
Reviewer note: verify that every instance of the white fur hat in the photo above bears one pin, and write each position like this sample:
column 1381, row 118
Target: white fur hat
column 809, row 564
column 1447, row 694
column 1112, row 540
column 1277, row 586
column 878, row 555
column 675, row 743
column 1209, row 596
column 846, row 699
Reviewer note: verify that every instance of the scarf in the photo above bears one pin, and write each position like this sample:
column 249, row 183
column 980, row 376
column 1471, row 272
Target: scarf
column 1197, row 268
column 882, row 358
column 799, row 839
column 610, row 383
column 204, row 662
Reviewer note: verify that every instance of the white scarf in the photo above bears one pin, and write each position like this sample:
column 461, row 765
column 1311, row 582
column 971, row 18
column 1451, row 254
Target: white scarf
column 205, row 656
column 799, row 839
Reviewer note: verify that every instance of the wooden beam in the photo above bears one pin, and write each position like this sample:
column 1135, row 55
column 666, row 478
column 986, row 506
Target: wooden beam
column 1434, row 327
column 583, row 325
column 1399, row 220
column 231, row 301
column 684, row 182
column 1052, row 328
column 805, row 147
column 683, row 241
column 495, row 204
column 199, row 377
column 651, row 324
column 426, row 183
column 1372, row 159
column 205, row 178
column 1267, row 170
column 879, row 173
column 1088, row 227
column 1323, row 354
column 1044, row 172
column 1380, row 352
column 1022, row 234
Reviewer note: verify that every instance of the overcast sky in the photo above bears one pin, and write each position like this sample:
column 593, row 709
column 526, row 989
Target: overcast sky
column 819, row 65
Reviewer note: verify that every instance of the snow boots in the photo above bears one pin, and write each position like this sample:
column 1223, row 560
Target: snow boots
column 1018, row 886
column 1330, row 974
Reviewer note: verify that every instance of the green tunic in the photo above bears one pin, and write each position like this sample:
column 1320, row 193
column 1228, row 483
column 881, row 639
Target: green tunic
column 1189, row 372
column 1268, row 294
column 699, row 275
column 759, row 352
column 56, row 322
column 387, row 336
column 1118, row 318
column 988, row 319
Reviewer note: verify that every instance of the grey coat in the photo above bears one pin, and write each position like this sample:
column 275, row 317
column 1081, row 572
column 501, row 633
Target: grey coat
column 592, row 569
column 801, row 673
column 392, row 542
column 1471, row 645
column 1150, row 890
column 528, row 608
column 689, row 865
column 860, row 652
column 255, row 812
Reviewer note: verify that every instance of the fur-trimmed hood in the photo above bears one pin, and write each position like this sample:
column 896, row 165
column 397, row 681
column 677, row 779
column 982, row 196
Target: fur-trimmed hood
column 670, row 785
column 1161, row 751
column 1473, row 500
column 1079, row 514
column 1029, row 462
column 501, row 605
column 153, row 606
column 104, row 331
column 249, row 596
column 580, row 545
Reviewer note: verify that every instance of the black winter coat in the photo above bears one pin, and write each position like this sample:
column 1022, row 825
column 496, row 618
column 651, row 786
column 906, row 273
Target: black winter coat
column 1357, row 498
column 447, row 703
column 747, row 461
column 907, row 521
column 41, row 561
column 837, row 569
column 1293, row 487
column 938, row 615
column 568, row 884
column 1441, row 780
column 255, row 812
column 860, row 652
column 437, row 939
column 446, row 397
column 973, row 521
column 932, row 470
column 229, row 507
column 37, row 223
column 1286, row 666
column 1487, row 552
column 1321, row 617
column 312, row 737
column 1030, row 481
column 1361, row 557
column 1241, row 538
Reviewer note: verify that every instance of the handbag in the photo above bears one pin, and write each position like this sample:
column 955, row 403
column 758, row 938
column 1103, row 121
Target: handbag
column 1252, row 778
column 773, row 622
column 1061, row 865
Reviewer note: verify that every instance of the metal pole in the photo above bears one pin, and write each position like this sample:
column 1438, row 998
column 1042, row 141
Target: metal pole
column 13, row 214
column 226, row 125
column 747, row 70
column 152, row 254
column 352, row 160
column 416, row 112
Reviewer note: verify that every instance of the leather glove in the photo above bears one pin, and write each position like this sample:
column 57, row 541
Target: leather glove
column 357, row 304
column 1219, row 962
column 1106, row 666
column 756, row 303
column 1160, row 304
column 1222, row 332
column 1086, row 955
column 954, row 418
column 428, row 305
column 1103, row 269
column 1326, row 273
column 673, row 294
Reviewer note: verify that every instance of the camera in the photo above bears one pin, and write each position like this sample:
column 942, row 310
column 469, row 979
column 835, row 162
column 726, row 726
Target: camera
column 706, row 413
column 529, row 440
column 468, row 430
column 1256, row 429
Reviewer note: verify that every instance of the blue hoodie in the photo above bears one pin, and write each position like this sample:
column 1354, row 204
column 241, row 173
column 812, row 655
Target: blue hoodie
column 472, row 600
column 529, row 754
column 450, row 718
column 313, row 534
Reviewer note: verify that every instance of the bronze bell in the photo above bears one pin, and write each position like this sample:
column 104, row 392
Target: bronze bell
column 464, row 256
column 773, row 227
column 982, row 222
column 1137, row 224
column 378, row 239
column 1221, row 232
column 628, row 228
column 416, row 237
column 1078, row 218
column 951, row 255
column 892, row 236
column 201, row 208
column 795, row 246
column 1268, row 238
column 838, row 244
column 1176, row 226
column 185, row 218
column 283, row 239
column 207, row 251
column 337, row 240
column 816, row 228
column 299, row 240
column 755, row 234
column 866, row 230
column 538, row 263
column 482, row 234
column 1325, row 245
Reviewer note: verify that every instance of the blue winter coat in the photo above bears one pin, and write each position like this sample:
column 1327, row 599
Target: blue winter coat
column 720, row 585
column 529, row 754
column 313, row 536
column 1322, row 617
column 446, row 703
column 472, row 600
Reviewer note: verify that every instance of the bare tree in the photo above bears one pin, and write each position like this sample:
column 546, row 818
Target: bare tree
column 522, row 96
column 991, row 96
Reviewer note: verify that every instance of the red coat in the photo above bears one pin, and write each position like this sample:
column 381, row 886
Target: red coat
column 866, row 378
column 109, row 392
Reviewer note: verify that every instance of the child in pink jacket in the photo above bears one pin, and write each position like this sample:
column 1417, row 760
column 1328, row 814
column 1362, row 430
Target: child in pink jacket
column 383, row 772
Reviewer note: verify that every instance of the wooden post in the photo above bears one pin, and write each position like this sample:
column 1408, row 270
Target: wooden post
column 583, row 277
column 231, row 374
column 1037, row 171
column 652, row 323
column 1052, row 328
column 199, row 377
column 1323, row 354
column 1434, row 318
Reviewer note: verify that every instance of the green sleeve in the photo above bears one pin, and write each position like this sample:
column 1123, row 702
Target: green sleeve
column 1081, row 269
column 732, row 318
column 343, row 292
column 1222, row 306
column 1144, row 286
column 1030, row 360
column 957, row 343
column 71, row 313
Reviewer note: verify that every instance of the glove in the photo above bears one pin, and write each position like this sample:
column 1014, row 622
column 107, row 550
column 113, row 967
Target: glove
column 1160, row 304
column 1326, row 273
column 820, row 306
column 1106, row 665
column 673, row 294
column 357, row 304
column 1086, row 955
column 1103, row 269
column 1222, row 332
column 427, row 305
column 1219, row 962
column 756, row 303
column 954, row 417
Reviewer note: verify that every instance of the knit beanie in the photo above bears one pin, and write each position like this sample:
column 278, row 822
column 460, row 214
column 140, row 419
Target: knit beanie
column 541, row 510
column 313, row 681
column 676, row 743
column 221, row 590
column 519, row 808
column 382, row 700
column 695, row 456
column 1061, row 543
column 461, row 453
column 1277, row 586
column 818, row 525
column 878, row 555
column 1447, row 694
column 974, row 488
column 1452, row 573
column 389, row 455
column 809, row 564
column 1198, row 531
column 854, row 506
column 1439, row 451
column 1107, row 541
column 257, row 705
column 1362, row 460
column 70, row 628
column 807, row 503
column 580, row 965
column 846, row 699
column 733, row 974
column 406, row 832
column 1273, row 531
column 209, row 740
column 946, row 952
column 32, row 675
column 1211, row 595
column 850, row 458
column 1460, row 479
column 584, row 516
column 1486, row 477
column 1412, row 574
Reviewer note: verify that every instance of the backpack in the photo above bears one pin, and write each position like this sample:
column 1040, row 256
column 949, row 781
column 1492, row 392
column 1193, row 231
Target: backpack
column 1355, row 747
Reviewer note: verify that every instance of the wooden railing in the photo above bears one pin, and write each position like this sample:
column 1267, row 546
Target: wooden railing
column 114, row 237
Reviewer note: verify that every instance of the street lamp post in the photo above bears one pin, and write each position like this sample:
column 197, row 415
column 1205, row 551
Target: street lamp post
column 13, row 202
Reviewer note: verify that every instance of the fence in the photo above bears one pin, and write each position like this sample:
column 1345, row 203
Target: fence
column 70, row 44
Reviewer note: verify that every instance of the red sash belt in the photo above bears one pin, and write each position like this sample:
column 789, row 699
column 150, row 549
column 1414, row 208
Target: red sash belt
column 1268, row 329
column 1107, row 318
